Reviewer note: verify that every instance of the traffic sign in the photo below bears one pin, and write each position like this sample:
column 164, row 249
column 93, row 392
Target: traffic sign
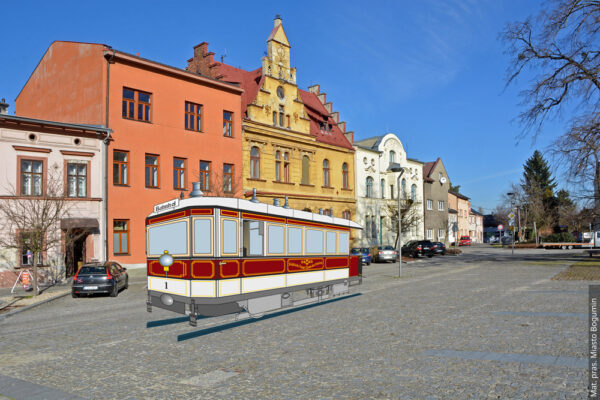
column 500, row 227
column 511, row 215
column 511, row 222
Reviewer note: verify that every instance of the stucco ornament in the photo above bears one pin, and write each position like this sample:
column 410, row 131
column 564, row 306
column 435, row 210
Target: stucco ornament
column 268, row 109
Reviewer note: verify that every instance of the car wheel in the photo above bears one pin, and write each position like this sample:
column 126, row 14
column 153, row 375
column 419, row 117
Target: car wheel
column 429, row 255
column 115, row 291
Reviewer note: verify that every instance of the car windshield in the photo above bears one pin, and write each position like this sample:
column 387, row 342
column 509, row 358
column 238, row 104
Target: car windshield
column 355, row 251
column 364, row 250
column 92, row 269
column 388, row 248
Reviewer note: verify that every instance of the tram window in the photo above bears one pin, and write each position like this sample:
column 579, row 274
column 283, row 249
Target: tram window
column 294, row 240
column 331, row 242
column 172, row 236
column 276, row 236
column 343, row 243
column 314, row 241
column 254, row 232
column 202, row 236
column 229, row 236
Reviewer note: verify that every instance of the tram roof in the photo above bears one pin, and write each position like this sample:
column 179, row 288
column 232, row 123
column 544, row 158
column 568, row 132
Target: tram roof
column 247, row 205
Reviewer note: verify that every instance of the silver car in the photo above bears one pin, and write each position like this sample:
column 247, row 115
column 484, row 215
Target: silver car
column 384, row 253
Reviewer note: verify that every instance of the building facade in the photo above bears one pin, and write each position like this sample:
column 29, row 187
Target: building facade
column 169, row 127
column 52, row 176
column 293, row 143
column 462, row 205
column 377, row 191
column 476, row 226
column 435, row 197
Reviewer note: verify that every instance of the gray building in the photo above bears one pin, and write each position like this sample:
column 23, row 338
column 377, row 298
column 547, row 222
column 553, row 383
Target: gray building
column 435, row 198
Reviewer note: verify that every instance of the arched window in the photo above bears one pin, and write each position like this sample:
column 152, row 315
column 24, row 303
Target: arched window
column 413, row 192
column 255, row 163
column 345, row 176
column 369, row 187
column 305, row 170
column 392, row 156
column 382, row 187
column 278, row 165
column 404, row 187
column 286, row 166
column 326, row 173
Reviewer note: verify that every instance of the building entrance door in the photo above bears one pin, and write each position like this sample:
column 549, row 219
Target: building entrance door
column 75, row 256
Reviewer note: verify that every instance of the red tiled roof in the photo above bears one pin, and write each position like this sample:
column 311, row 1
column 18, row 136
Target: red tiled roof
column 428, row 168
column 318, row 113
column 250, row 81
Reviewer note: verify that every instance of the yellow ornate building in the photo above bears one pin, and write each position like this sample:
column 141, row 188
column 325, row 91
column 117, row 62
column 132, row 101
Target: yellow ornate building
column 293, row 144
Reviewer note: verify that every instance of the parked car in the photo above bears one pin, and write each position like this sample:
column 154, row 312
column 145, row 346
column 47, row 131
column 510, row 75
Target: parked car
column 464, row 241
column 506, row 240
column 384, row 253
column 365, row 254
column 438, row 248
column 418, row 248
column 108, row 277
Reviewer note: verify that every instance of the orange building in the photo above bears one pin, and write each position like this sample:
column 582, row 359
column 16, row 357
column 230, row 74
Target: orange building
column 169, row 127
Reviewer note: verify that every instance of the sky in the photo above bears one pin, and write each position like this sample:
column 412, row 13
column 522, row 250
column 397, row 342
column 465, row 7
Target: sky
column 432, row 72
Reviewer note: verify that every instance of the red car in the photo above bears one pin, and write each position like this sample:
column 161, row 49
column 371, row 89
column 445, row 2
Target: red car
column 464, row 241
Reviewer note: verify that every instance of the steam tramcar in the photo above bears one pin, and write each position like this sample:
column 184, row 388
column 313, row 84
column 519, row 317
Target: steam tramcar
column 240, row 256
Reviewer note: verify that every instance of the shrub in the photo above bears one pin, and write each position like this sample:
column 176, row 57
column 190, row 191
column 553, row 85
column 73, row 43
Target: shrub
column 559, row 237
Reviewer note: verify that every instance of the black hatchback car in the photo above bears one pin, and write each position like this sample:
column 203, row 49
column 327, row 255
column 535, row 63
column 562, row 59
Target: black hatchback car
column 439, row 248
column 417, row 248
column 108, row 277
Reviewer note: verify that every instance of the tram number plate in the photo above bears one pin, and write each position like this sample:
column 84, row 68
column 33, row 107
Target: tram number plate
column 90, row 287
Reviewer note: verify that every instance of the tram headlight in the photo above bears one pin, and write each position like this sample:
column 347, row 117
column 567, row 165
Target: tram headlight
column 166, row 299
column 166, row 260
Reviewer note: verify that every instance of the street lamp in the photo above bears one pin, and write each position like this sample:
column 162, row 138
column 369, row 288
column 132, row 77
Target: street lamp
column 395, row 167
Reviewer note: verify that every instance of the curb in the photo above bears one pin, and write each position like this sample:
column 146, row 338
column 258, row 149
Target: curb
column 29, row 307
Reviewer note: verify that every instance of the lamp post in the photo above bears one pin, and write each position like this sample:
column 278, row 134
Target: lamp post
column 395, row 167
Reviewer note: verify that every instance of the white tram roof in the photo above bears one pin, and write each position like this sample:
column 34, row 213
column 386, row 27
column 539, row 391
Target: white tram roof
column 247, row 205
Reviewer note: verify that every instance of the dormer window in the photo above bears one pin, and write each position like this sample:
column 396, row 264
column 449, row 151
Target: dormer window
column 392, row 156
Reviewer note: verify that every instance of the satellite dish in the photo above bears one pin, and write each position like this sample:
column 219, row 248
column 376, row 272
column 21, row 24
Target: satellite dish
column 443, row 180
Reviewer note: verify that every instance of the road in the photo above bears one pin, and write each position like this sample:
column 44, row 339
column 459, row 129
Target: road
column 479, row 325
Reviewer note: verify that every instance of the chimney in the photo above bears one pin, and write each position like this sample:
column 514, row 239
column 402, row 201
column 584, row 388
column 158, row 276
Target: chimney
column 277, row 21
column 3, row 107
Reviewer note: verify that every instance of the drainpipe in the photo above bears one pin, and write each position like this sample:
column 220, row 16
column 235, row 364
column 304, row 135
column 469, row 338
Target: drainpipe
column 109, row 60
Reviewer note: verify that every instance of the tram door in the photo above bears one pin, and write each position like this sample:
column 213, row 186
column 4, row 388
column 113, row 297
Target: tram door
column 597, row 239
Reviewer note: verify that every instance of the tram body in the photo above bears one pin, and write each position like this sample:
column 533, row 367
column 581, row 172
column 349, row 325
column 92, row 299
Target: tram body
column 238, row 256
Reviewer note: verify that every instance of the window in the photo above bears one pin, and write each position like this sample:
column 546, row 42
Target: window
column 229, row 236
column 369, row 187
column 305, row 170
column 254, row 163
column 202, row 236
column 179, row 182
column 77, row 179
column 274, row 118
column 326, row 173
column 287, row 119
column 382, row 188
column 440, row 234
column 314, row 241
column 343, row 242
column 171, row 236
column 276, row 239
column 281, row 116
column 294, row 240
column 278, row 166
column 227, row 124
column 286, row 166
column 205, row 176
column 392, row 156
column 391, row 191
column 346, row 214
column 26, row 249
column 228, row 178
column 193, row 116
column 254, row 232
column 120, row 236
column 330, row 242
column 136, row 105
column 327, row 212
column 373, row 228
column 345, row 175
column 440, row 205
column 403, row 186
column 367, row 231
column 120, row 167
column 413, row 192
column 429, row 234
column 429, row 204
column 32, row 178
column 151, row 171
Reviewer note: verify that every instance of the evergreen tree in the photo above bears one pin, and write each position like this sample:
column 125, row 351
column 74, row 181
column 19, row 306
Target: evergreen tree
column 537, row 174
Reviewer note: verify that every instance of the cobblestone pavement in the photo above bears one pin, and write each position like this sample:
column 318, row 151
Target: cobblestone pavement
column 480, row 325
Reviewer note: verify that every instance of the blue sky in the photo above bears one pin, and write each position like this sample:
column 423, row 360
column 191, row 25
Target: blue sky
column 430, row 71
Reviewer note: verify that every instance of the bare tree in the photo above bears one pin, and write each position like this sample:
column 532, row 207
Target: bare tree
column 221, row 184
column 411, row 216
column 560, row 48
column 32, row 223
